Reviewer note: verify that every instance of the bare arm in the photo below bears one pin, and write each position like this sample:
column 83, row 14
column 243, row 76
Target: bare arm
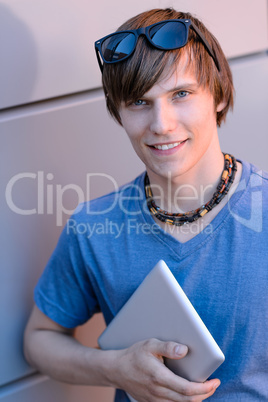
column 52, row 350
column 139, row 370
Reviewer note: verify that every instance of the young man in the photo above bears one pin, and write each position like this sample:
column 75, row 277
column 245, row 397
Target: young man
column 169, row 91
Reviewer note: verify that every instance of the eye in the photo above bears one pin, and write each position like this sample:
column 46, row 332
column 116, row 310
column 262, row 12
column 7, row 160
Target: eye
column 181, row 94
column 139, row 102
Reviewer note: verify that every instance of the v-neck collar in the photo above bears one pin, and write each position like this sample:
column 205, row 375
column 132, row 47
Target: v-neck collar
column 183, row 249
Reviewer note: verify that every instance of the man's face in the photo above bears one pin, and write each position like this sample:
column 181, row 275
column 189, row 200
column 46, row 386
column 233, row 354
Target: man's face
column 173, row 126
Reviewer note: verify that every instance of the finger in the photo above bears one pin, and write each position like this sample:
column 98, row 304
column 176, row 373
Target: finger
column 164, row 378
column 164, row 394
column 192, row 389
column 172, row 350
column 210, row 393
column 172, row 381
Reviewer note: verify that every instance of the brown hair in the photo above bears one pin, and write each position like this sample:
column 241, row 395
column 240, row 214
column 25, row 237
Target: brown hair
column 130, row 79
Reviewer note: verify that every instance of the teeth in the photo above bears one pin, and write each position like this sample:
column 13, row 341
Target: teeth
column 167, row 146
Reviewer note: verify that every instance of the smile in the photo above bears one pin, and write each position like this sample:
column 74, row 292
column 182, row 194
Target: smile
column 164, row 147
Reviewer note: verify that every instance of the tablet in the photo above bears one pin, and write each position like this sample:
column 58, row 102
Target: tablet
column 160, row 309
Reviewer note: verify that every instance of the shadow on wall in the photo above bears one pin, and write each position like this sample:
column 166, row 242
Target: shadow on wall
column 18, row 73
column 18, row 67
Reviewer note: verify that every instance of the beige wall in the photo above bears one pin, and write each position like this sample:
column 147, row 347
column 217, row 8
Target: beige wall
column 55, row 131
column 47, row 46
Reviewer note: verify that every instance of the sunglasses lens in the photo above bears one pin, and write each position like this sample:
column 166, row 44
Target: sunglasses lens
column 118, row 46
column 169, row 35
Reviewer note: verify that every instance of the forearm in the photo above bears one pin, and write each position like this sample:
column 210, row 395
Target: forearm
column 63, row 358
column 139, row 370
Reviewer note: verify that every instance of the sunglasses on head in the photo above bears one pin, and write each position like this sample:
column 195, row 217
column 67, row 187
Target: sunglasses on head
column 164, row 35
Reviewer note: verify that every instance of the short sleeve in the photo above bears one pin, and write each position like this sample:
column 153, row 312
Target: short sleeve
column 64, row 292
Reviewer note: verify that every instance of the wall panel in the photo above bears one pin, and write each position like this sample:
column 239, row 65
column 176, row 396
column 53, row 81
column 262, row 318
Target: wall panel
column 47, row 45
column 44, row 149
column 40, row 388
column 245, row 131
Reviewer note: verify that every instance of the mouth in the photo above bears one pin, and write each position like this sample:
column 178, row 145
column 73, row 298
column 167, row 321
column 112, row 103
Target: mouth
column 165, row 147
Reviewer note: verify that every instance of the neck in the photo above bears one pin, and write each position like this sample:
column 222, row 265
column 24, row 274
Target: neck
column 190, row 190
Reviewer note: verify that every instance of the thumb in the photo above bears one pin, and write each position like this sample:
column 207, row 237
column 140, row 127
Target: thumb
column 180, row 351
column 172, row 350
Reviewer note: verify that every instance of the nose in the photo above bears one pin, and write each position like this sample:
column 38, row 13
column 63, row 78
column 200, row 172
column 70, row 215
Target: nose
column 163, row 118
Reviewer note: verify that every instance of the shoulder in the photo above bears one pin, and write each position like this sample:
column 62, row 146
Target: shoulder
column 248, row 204
column 123, row 199
column 260, row 174
column 255, row 169
column 255, row 177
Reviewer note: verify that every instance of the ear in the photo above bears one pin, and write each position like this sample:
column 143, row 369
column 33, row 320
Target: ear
column 221, row 106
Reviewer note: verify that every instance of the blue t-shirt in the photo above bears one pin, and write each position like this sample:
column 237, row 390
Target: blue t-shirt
column 110, row 244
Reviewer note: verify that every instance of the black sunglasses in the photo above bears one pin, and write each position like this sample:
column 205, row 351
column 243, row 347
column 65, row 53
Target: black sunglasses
column 164, row 35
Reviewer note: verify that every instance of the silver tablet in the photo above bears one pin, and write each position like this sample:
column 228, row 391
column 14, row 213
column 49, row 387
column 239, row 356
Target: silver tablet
column 160, row 309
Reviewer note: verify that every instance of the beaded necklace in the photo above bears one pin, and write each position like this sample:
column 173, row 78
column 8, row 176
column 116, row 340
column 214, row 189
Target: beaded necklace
column 178, row 219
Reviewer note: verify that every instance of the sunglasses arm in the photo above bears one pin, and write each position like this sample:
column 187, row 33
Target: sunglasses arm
column 99, row 59
column 205, row 43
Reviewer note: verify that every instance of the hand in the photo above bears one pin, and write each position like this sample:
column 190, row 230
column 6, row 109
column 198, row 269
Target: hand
column 142, row 374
